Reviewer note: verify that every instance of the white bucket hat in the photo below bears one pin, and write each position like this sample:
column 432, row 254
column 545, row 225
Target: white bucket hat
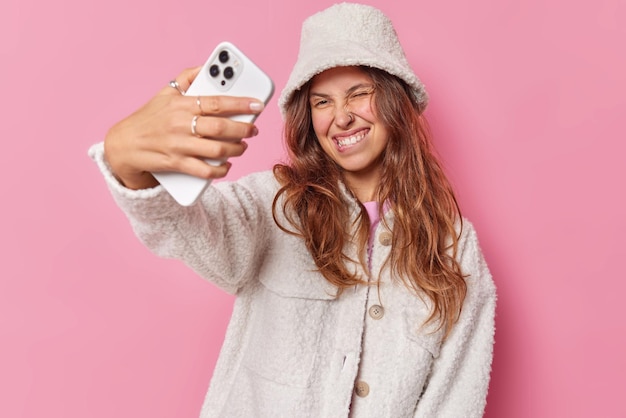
column 349, row 34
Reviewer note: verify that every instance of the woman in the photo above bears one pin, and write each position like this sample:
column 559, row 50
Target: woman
column 360, row 289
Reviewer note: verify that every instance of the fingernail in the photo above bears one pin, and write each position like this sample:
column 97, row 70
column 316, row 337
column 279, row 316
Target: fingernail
column 245, row 145
column 256, row 106
column 255, row 131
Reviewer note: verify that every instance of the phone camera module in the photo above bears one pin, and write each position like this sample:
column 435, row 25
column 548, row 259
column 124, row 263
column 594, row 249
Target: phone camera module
column 214, row 70
column 228, row 73
column 224, row 57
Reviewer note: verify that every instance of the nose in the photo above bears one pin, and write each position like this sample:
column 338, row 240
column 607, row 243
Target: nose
column 343, row 117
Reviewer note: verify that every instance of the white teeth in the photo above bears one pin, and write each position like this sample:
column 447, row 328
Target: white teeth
column 351, row 140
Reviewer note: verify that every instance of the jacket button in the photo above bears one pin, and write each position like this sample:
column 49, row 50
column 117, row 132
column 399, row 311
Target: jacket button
column 385, row 238
column 376, row 311
column 361, row 389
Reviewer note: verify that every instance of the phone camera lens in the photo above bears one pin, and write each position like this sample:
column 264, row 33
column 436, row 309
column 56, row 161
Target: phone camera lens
column 224, row 57
column 214, row 70
column 228, row 73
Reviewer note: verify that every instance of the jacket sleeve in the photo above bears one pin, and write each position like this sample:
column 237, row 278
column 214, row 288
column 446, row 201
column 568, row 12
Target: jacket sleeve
column 459, row 380
column 220, row 237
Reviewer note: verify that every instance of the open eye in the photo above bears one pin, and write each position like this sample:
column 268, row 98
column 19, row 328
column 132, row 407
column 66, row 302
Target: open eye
column 319, row 102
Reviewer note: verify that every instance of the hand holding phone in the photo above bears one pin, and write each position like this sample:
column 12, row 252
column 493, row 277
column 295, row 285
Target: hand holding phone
column 228, row 71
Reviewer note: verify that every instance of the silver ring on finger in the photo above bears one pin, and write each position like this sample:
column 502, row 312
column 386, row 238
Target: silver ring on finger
column 199, row 103
column 194, row 124
column 174, row 84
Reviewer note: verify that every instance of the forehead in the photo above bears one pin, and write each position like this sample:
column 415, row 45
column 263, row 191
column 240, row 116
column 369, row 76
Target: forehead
column 339, row 79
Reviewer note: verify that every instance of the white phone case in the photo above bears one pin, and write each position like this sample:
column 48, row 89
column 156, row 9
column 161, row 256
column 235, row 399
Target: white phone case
column 227, row 72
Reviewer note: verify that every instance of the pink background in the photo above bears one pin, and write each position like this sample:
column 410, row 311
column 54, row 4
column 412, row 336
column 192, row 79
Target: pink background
column 528, row 108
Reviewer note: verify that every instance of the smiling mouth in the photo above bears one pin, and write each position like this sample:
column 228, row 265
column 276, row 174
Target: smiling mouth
column 347, row 141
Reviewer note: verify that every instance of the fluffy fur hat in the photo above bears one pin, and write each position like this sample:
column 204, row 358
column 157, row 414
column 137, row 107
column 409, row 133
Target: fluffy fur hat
column 349, row 34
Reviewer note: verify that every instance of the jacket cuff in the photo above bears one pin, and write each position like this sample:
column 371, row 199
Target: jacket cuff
column 144, row 203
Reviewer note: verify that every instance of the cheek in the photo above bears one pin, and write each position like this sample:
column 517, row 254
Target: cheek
column 321, row 123
column 366, row 110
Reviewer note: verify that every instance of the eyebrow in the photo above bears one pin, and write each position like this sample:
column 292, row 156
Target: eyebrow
column 348, row 92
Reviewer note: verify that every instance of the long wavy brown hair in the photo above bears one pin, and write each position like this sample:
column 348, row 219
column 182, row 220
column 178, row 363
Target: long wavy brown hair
column 426, row 216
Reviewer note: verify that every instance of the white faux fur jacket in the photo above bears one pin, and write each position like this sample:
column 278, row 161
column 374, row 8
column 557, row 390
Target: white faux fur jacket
column 292, row 349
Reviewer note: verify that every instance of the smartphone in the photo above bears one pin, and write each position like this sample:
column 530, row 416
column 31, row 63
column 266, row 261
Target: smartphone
column 228, row 71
